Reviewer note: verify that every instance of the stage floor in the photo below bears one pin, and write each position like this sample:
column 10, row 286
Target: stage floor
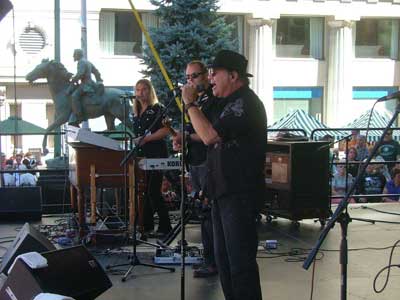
column 282, row 276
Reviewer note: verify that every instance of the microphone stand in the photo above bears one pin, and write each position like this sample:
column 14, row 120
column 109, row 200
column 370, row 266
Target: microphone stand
column 134, row 260
column 341, row 215
column 183, row 201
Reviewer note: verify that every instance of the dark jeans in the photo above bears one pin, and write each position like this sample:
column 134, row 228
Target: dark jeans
column 235, row 242
column 198, row 176
column 207, row 238
column 153, row 202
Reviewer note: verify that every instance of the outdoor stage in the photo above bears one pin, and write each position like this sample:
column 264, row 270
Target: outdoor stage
column 280, row 279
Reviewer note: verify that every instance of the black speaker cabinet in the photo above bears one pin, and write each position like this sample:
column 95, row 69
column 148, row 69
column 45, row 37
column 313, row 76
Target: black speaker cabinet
column 72, row 272
column 21, row 203
column 297, row 179
column 27, row 240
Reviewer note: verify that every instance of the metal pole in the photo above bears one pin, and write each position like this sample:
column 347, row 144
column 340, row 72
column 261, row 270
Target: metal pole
column 85, row 124
column 15, row 82
column 57, row 57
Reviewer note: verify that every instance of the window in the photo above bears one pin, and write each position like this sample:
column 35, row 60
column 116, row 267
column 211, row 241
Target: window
column 299, row 37
column 377, row 38
column 289, row 99
column 120, row 33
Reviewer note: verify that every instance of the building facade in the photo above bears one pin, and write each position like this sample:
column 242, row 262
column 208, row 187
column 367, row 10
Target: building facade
column 331, row 58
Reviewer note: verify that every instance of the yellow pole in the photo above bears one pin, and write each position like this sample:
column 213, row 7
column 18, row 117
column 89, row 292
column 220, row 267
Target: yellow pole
column 155, row 53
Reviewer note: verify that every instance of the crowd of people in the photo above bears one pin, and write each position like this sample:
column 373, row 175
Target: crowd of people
column 15, row 170
column 381, row 179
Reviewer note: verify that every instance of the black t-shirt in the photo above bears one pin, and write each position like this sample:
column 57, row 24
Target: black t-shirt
column 389, row 151
column 372, row 183
column 197, row 151
column 235, row 165
column 141, row 125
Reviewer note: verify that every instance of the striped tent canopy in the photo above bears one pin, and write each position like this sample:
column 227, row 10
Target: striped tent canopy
column 378, row 120
column 299, row 119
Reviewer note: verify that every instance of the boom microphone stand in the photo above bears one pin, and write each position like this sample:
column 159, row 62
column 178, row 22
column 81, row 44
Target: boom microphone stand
column 134, row 260
column 340, row 215
column 183, row 202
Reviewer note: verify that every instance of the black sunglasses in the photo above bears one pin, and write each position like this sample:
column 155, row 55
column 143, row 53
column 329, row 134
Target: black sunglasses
column 194, row 75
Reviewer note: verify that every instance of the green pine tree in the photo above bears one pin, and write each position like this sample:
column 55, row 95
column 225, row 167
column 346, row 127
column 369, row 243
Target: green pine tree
column 189, row 30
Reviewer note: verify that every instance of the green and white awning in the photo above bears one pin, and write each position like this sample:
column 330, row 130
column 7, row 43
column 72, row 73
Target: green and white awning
column 299, row 119
column 377, row 120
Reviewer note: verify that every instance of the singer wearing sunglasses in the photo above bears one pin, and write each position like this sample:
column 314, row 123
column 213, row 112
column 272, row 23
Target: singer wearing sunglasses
column 145, row 111
column 197, row 78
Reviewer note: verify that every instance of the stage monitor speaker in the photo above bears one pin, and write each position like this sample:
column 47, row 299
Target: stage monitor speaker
column 27, row 240
column 297, row 179
column 71, row 272
column 21, row 203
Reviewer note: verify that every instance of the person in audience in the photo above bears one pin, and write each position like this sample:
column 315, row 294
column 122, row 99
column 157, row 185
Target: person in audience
column 27, row 179
column 3, row 161
column 392, row 187
column 18, row 166
column 341, row 180
column 372, row 183
column 168, row 194
column 8, row 178
column 389, row 150
column 352, row 142
column 361, row 147
column 352, row 168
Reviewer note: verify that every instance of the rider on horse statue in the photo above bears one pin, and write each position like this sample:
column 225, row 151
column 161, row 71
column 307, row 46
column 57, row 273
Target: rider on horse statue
column 86, row 87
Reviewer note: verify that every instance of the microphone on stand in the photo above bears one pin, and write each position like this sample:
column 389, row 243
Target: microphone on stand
column 176, row 91
column 395, row 95
column 200, row 88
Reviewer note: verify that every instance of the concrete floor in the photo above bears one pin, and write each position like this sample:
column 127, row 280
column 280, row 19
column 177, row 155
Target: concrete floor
column 282, row 277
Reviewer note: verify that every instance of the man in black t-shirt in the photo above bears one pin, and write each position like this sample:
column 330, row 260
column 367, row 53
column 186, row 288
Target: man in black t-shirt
column 197, row 77
column 236, row 136
column 389, row 150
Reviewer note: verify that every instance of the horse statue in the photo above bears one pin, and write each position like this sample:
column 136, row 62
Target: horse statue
column 111, row 103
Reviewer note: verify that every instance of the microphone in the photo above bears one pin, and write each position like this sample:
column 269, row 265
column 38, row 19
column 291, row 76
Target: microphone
column 395, row 95
column 200, row 88
column 176, row 91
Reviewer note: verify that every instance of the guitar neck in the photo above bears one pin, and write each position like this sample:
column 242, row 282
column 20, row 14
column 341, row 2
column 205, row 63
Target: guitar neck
column 170, row 129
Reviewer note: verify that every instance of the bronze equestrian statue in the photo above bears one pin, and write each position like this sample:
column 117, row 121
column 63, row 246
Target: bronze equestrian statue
column 86, row 86
column 111, row 104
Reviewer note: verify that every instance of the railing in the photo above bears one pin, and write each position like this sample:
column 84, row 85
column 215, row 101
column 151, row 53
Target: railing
column 344, row 132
